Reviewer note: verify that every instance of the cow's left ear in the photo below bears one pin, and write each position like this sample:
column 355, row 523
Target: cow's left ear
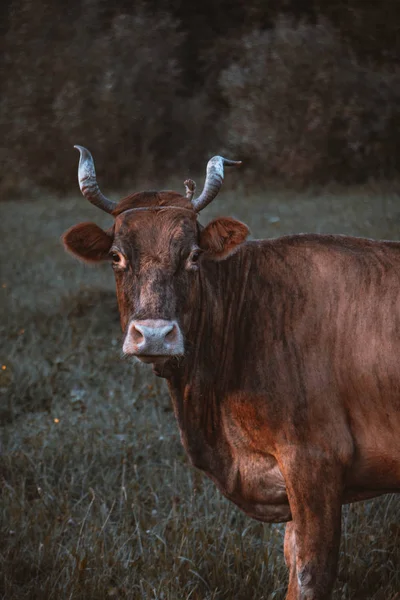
column 221, row 237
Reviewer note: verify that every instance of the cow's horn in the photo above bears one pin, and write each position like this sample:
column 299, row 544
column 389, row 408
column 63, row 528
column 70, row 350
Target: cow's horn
column 88, row 183
column 214, row 179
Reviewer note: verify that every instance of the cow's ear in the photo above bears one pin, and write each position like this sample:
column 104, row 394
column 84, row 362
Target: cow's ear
column 88, row 242
column 221, row 237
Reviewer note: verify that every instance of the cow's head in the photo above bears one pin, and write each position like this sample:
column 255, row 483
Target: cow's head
column 157, row 249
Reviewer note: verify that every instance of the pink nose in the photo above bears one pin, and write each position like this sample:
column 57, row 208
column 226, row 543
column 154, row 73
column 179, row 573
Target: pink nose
column 153, row 337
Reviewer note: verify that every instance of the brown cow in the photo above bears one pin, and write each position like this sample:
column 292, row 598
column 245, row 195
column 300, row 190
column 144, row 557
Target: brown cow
column 281, row 356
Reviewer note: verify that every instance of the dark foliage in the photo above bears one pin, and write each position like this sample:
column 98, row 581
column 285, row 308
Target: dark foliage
column 303, row 107
column 159, row 85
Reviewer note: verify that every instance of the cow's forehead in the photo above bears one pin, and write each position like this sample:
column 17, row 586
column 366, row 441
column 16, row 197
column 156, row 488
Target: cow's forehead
column 156, row 226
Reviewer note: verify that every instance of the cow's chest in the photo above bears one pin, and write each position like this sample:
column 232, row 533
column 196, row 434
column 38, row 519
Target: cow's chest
column 234, row 454
column 255, row 483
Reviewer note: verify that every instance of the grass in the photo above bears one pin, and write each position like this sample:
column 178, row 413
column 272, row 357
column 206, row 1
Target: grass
column 97, row 499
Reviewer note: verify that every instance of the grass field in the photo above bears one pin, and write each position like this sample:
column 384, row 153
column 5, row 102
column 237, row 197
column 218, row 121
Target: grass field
column 97, row 499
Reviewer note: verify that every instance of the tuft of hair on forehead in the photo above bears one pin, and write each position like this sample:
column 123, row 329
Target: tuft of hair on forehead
column 149, row 199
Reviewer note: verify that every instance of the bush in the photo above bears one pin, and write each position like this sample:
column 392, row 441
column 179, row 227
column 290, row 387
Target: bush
column 148, row 94
column 114, row 87
column 303, row 108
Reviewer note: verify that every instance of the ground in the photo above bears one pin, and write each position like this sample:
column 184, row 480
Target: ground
column 97, row 499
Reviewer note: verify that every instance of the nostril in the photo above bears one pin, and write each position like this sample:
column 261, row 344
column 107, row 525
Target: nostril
column 137, row 335
column 171, row 335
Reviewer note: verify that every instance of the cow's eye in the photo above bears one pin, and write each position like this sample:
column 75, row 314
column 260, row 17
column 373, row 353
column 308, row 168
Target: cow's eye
column 118, row 260
column 194, row 258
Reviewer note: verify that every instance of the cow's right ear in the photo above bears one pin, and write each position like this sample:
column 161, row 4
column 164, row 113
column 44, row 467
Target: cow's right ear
column 88, row 242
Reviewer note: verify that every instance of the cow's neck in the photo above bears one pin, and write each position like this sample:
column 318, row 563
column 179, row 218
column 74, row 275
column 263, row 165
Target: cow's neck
column 214, row 360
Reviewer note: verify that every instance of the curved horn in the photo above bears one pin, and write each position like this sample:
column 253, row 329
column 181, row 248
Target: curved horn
column 214, row 179
column 88, row 183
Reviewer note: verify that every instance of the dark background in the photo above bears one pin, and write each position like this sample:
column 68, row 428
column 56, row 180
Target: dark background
column 307, row 91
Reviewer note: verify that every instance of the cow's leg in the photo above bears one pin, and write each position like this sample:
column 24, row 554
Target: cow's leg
column 290, row 557
column 314, row 489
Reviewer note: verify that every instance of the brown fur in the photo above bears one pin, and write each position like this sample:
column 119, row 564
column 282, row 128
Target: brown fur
column 288, row 395
column 88, row 242
column 222, row 236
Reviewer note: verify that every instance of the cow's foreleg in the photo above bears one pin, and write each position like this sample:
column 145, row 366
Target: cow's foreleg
column 312, row 539
column 290, row 557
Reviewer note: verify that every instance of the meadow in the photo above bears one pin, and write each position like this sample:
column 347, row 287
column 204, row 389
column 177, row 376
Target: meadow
column 97, row 498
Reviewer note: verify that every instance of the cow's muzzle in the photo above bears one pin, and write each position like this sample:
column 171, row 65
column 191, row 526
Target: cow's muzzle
column 152, row 340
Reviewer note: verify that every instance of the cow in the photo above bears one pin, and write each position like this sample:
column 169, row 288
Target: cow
column 281, row 356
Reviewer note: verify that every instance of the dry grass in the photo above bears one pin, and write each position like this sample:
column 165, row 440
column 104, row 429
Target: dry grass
column 97, row 499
